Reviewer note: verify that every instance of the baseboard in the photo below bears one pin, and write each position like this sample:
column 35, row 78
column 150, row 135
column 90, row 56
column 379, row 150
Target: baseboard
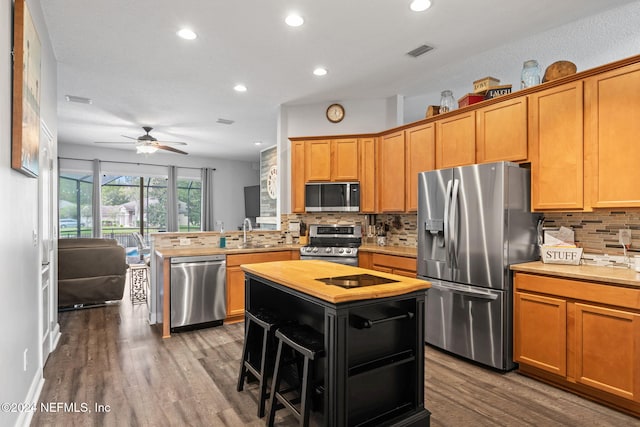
column 24, row 419
column 55, row 337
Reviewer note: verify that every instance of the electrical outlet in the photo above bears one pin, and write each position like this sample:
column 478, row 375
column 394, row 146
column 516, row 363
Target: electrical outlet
column 624, row 236
column 185, row 242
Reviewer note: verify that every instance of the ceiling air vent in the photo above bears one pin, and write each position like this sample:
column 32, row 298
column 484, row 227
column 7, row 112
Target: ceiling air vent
column 224, row 121
column 78, row 99
column 420, row 50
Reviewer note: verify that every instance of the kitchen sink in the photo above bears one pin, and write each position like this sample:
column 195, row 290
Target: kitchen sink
column 255, row 245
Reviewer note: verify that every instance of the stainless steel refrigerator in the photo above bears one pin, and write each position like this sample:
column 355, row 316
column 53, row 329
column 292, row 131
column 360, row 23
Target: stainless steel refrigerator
column 473, row 222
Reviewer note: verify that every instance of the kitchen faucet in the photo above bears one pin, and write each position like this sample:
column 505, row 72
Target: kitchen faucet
column 244, row 228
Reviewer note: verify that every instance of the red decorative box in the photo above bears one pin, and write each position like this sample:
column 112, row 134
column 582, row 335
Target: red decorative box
column 470, row 98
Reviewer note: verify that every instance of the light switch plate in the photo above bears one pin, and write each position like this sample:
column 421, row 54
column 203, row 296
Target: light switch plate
column 185, row 242
column 624, row 236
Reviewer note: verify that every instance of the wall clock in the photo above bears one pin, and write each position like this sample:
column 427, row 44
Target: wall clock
column 335, row 113
column 272, row 182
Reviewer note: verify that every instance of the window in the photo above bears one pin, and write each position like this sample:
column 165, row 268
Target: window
column 74, row 205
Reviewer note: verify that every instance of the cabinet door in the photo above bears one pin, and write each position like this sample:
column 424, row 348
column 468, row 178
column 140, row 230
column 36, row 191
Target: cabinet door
column 502, row 131
column 368, row 175
column 391, row 176
column 612, row 135
column 420, row 156
column 235, row 292
column 345, row 154
column 318, row 160
column 608, row 350
column 556, row 138
column 540, row 332
column 456, row 140
column 297, row 176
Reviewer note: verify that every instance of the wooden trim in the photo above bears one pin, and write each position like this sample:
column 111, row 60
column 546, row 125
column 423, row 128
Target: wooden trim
column 166, row 300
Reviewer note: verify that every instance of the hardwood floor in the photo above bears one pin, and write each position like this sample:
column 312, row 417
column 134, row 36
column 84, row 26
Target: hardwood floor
column 111, row 356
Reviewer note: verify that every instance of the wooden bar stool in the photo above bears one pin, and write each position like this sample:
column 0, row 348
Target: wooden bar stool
column 268, row 322
column 308, row 344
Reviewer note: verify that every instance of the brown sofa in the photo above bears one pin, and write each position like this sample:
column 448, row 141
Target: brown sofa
column 90, row 271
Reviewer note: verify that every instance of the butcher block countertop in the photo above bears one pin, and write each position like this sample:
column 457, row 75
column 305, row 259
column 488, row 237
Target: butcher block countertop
column 301, row 276
column 594, row 273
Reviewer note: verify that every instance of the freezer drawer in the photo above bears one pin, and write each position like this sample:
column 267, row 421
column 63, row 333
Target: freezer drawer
column 469, row 321
column 198, row 294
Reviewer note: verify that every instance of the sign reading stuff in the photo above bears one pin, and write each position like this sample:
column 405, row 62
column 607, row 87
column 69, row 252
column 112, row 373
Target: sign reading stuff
column 560, row 255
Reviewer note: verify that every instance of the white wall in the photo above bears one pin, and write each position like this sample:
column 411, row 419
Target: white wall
column 589, row 42
column 230, row 177
column 19, row 255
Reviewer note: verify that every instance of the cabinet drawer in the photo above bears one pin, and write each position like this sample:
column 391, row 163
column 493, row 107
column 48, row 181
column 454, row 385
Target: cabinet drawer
column 257, row 257
column 579, row 290
column 395, row 262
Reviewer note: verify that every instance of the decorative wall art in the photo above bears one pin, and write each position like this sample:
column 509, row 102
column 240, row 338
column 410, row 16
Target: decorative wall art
column 26, row 92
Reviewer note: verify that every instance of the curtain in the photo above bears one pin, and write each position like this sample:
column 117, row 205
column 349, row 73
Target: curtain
column 207, row 222
column 172, row 199
column 97, row 200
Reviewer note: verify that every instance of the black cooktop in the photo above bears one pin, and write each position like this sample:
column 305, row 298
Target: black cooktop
column 356, row 280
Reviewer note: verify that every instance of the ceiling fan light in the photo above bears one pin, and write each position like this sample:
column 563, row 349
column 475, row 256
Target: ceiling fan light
column 146, row 149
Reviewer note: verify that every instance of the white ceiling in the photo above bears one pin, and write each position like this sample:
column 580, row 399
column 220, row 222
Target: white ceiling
column 126, row 57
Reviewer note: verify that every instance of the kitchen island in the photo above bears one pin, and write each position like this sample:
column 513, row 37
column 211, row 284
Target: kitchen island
column 373, row 369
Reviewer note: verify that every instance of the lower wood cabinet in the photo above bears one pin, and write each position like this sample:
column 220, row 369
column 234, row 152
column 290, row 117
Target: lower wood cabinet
column 235, row 278
column 394, row 264
column 584, row 336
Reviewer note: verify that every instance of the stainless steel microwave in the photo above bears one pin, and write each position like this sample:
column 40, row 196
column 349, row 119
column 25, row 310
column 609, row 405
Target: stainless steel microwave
column 332, row 197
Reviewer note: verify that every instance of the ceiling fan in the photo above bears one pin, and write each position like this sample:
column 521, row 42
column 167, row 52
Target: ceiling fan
column 147, row 144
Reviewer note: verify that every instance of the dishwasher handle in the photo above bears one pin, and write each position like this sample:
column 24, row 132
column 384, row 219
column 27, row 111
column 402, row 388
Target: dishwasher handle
column 199, row 259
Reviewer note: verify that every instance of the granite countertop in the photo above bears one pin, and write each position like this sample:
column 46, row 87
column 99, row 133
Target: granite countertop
column 209, row 250
column 302, row 275
column 405, row 251
column 594, row 273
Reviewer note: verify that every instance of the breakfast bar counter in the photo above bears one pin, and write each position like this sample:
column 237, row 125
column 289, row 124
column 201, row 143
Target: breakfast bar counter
column 372, row 372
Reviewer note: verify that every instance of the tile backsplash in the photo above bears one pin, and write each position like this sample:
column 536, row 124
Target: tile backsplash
column 596, row 232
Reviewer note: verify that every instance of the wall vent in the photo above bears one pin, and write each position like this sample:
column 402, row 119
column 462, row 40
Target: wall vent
column 225, row 121
column 420, row 50
column 78, row 99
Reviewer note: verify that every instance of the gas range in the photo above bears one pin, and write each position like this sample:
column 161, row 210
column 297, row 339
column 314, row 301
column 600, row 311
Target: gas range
column 336, row 243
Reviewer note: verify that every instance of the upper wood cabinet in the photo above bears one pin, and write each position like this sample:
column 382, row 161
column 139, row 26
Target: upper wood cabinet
column 391, row 173
column 332, row 160
column 501, row 131
column 556, row 143
column 368, row 150
column 419, row 157
column 612, row 135
column 456, row 140
column 297, row 176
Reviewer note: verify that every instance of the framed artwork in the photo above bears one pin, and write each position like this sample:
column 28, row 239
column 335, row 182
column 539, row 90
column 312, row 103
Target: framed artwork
column 25, row 146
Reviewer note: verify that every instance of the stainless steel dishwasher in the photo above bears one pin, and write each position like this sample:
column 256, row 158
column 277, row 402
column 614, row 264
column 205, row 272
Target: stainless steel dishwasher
column 198, row 291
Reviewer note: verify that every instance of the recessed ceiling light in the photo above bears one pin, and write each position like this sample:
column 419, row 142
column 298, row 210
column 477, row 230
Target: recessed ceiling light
column 294, row 20
column 420, row 5
column 187, row 34
column 257, row 143
column 320, row 71
column 240, row 88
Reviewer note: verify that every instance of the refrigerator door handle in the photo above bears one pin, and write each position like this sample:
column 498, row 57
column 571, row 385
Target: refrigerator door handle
column 447, row 204
column 453, row 218
column 491, row 296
